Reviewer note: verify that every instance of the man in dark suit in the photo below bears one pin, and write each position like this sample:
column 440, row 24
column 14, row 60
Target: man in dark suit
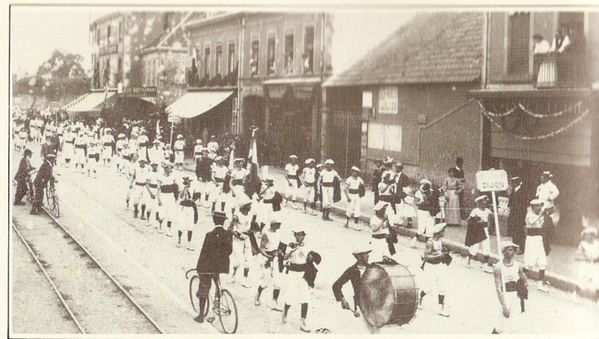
column 518, row 203
column 213, row 260
column 401, row 181
column 377, row 176
column 44, row 175
column 23, row 174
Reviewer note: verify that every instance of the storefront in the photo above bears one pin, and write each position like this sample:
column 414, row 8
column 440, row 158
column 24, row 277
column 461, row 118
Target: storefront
column 528, row 132
column 292, row 111
column 90, row 104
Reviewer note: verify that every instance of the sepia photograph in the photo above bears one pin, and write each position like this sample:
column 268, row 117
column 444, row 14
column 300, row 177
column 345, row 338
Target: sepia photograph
column 207, row 169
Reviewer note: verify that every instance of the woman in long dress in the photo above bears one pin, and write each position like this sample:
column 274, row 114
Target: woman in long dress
column 453, row 187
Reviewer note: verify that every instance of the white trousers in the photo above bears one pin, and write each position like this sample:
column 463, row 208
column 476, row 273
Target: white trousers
column 138, row 193
column 293, row 190
column 353, row 207
column 185, row 218
column 168, row 210
column 270, row 277
column 327, row 197
column 242, row 252
column 534, row 253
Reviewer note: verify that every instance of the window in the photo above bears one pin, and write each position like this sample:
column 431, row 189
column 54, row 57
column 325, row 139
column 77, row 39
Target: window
column 518, row 44
column 270, row 61
column 388, row 100
column 97, row 36
column 108, row 33
column 254, row 57
column 308, row 57
column 231, row 58
column 206, row 64
column 119, row 70
column 384, row 137
column 107, row 73
column 289, row 53
column 219, row 60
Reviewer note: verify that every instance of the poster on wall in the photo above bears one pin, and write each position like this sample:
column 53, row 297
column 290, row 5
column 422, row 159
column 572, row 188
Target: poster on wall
column 388, row 100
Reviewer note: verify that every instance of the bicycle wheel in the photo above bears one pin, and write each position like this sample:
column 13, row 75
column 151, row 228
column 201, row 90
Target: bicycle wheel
column 194, row 284
column 227, row 312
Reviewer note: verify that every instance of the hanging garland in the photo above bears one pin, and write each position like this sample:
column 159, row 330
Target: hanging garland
column 572, row 108
column 544, row 136
column 494, row 114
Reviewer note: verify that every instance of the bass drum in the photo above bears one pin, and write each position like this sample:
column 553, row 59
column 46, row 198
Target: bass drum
column 388, row 295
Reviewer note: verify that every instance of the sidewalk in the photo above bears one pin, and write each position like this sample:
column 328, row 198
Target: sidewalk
column 562, row 268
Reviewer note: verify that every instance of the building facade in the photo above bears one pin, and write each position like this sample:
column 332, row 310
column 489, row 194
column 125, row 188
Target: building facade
column 409, row 99
column 540, row 107
column 275, row 64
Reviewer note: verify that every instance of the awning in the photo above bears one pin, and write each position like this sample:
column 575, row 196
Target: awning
column 193, row 104
column 298, row 88
column 151, row 100
column 89, row 103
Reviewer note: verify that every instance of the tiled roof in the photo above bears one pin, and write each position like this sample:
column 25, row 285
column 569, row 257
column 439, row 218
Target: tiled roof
column 431, row 48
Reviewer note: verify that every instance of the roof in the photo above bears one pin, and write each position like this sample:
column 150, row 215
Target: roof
column 431, row 48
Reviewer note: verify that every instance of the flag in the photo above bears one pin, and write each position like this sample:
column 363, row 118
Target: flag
column 253, row 182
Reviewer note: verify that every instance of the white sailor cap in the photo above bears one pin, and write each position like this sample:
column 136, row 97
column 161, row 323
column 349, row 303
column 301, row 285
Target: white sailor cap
column 425, row 181
column 218, row 158
column 548, row 174
column 361, row 248
column 293, row 156
column 329, row 162
column 179, row 136
column 298, row 230
column 380, row 205
column 198, row 141
column 239, row 160
column 275, row 220
column 588, row 230
column 480, row 198
column 309, row 161
column 508, row 244
column 356, row 169
column 535, row 202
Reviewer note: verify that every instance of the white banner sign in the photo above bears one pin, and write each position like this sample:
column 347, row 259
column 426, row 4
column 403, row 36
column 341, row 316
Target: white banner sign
column 494, row 180
column 388, row 100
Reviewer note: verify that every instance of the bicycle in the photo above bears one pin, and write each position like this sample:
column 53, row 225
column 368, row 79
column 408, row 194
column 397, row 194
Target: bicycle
column 223, row 303
column 52, row 199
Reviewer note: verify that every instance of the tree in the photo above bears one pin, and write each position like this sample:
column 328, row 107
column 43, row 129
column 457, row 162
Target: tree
column 59, row 76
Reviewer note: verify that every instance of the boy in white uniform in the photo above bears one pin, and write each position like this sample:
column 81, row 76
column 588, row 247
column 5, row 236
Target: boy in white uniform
column 534, row 249
column 143, row 145
column 92, row 158
column 120, row 144
column 435, row 267
column 197, row 150
column 150, row 195
column 166, row 198
column 107, row 142
column 270, row 254
column 547, row 192
column 292, row 175
column 219, row 174
column 139, row 190
column 327, row 179
column 353, row 189
column 179, row 155
column 587, row 255
column 156, row 153
column 80, row 143
column 483, row 215
column 309, row 185
column 188, row 213
column 68, row 148
column 242, row 251
column 513, row 275
column 238, row 177
column 379, row 228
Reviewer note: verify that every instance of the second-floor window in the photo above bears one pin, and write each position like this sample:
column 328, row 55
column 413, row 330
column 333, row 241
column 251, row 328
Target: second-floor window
column 231, row 58
column 206, row 64
column 518, row 44
column 289, row 53
column 119, row 70
column 254, row 57
column 219, row 60
column 270, row 61
column 108, row 34
column 308, row 57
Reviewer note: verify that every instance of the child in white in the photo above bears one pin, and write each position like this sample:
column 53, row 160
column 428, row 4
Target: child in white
column 352, row 192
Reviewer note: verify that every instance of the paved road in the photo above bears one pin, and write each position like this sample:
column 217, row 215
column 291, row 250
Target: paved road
column 149, row 262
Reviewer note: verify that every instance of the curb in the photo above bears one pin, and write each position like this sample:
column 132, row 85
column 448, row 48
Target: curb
column 556, row 280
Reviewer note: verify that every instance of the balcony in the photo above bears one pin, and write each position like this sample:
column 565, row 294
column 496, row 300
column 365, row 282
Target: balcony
column 554, row 70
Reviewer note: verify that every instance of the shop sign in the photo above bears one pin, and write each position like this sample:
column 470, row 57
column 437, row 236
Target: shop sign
column 388, row 100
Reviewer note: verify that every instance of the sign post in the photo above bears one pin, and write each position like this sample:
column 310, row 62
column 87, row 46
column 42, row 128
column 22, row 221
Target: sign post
column 493, row 181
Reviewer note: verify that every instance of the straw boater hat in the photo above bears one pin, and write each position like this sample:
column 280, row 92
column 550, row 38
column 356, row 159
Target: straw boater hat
column 548, row 174
column 329, row 162
column 361, row 248
column 536, row 202
column 588, row 230
column 238, row 160
column 508, row 244
column 179, row 137
column 355, row 169
column 480, row 198
column 309, row 161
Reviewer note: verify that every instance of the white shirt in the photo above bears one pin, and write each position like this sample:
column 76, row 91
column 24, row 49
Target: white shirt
column 292, row 169
column 542, row 47
column 243, row 224
column 274, row 238
column 212, row 146
column 141, row 174
column 309, row 175
column 484, row 215
column 547, row 193
column 219, row 172
column 354, row 183
column 179, row 145
column 534, row 220
column 239, row 173
column 328, row 176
